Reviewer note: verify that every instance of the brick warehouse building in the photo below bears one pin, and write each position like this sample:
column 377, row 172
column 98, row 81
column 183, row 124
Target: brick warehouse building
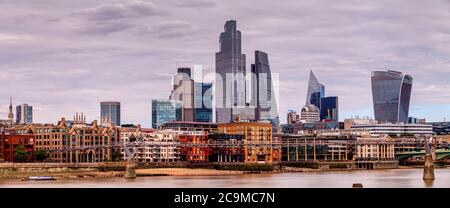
column 226, row 148
column 11, row 141
column 258, row 140
column 78, row 143
column 194, row 146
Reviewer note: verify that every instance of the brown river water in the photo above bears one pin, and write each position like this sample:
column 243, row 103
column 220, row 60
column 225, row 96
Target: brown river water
column 401, row 178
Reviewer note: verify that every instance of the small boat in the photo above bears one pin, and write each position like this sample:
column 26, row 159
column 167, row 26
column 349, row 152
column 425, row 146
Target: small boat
column 358, row 185
column 41, row 178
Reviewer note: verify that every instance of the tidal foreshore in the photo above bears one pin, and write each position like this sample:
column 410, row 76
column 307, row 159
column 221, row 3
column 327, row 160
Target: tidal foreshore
column 22, row 171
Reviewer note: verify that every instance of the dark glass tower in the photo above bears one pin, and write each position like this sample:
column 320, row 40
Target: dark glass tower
column 263, row 91
column 391, row 92
column 329, row 108
column 110, row 112
column 24, row 114
column 203, row 102
column 230, row 70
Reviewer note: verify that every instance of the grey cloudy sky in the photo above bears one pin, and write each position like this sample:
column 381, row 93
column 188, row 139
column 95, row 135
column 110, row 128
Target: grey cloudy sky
column 65, row 56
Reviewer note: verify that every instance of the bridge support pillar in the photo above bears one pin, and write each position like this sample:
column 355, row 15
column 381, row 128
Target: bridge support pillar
column 428, row 169
column 130, row 170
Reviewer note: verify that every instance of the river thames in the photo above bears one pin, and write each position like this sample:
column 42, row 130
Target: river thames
column 393, row 178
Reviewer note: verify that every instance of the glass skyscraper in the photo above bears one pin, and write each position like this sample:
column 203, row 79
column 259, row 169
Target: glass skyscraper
column 164, row 111
column 203, row 102
column 263, row 95
column 230, row 72
column 316, row 91
column 329, row 108
column 24, row 114
column 391, row 92
column 110, row 112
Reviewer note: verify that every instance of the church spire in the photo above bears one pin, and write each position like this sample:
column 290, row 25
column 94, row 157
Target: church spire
column 10, row 114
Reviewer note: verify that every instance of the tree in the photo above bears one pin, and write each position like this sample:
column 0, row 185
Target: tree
column 20, row 154
column 117, row 156
column 41, row 155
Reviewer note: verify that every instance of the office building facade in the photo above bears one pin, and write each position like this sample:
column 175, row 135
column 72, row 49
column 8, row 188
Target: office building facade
column 349, row 122
column 110, row 112
column 310, row 114
column 164, row 111
column 230, row 75
column 397, row 129
column 158, row 145
column 258, row 140
column 203, row 102
column 391, row 92
column 329, row 108
column 292, row 117
column 24, row 114
column 183, row 91
column 73, row 144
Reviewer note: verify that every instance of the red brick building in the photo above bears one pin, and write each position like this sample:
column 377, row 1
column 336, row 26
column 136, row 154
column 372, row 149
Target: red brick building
column 194, row 146
column 11, row 141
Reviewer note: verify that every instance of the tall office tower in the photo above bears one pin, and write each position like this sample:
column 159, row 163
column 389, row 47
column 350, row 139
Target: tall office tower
column 391, row 93
column 183, row 91
column 164, row 111
column 203, row 102
column 24, row 114
column 263, row 95
column 10, row 113
column 110, row 113
column 293, row 117
column 329, row 108
column 230, row 75
column 315, row 91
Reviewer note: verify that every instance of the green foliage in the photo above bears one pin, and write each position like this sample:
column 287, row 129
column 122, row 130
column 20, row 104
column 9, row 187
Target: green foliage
column 20, row 154
column 41, row 155
column 117, row 156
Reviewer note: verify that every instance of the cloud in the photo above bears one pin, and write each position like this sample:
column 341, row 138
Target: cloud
column 106, row 27
column 196, row 3
column 130, row 9
column 173, row 29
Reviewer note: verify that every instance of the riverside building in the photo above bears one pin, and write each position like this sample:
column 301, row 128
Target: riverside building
column 73, row 144
column 258, row 140
column 154, row 145
column 397, row 129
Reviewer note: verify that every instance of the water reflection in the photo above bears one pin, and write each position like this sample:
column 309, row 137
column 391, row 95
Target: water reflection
column 428, row 183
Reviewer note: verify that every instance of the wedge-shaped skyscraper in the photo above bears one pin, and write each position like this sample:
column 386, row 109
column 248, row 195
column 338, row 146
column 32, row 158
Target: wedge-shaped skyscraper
column 316, row 90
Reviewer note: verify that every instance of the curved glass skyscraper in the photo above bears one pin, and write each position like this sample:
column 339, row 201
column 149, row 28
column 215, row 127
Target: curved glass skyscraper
column 391, row 92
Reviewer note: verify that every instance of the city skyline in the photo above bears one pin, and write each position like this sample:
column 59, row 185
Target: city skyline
column 79, row 57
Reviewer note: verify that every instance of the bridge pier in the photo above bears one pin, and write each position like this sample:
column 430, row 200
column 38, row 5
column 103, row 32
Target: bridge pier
column 428, row 168
column 130, row 170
